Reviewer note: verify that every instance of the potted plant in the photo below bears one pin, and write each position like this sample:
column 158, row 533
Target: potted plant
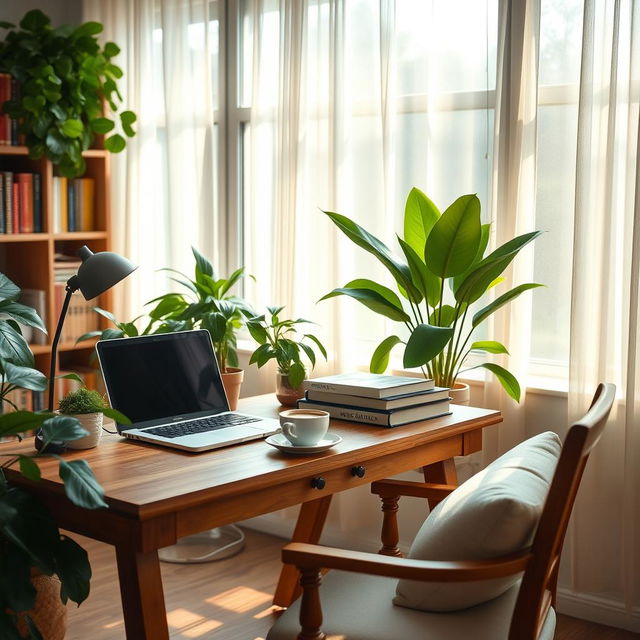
column 209, row 305
column 88, row 407
column 278, row 340
column 444, row 271
column 35, row 557
column 65, row 79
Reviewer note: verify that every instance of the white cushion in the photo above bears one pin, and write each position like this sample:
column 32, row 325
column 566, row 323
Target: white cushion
column 492, row 514
column 359, row 607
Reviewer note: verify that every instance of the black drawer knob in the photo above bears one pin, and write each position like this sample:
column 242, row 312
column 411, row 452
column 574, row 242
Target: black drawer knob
column 318, row 483
column 358, row 471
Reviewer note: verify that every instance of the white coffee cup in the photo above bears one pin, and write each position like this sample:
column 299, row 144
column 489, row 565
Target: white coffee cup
column 304, row 427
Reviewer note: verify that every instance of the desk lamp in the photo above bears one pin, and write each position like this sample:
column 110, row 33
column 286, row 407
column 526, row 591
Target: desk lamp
column 97, row 273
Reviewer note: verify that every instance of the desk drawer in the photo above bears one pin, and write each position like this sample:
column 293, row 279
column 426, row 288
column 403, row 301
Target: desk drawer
column 265, row 500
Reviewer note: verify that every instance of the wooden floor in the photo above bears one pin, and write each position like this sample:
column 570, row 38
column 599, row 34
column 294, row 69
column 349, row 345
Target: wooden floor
column 226, row 600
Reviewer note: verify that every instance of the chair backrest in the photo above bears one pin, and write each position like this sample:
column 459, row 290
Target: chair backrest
column 537, row 592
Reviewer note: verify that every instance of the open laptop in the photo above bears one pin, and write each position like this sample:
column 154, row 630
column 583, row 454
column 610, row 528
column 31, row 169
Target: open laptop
column 169, row 386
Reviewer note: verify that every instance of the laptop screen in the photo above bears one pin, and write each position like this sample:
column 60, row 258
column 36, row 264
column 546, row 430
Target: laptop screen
column 166, row 377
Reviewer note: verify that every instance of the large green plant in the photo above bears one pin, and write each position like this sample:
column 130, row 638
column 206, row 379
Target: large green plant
column 29, row 536
column 65, row 77
column 444, row 271
column 278, row 340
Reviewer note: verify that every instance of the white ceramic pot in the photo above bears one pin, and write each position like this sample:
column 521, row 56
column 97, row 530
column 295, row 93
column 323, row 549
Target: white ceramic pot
column 460, row 393
column 91, row 422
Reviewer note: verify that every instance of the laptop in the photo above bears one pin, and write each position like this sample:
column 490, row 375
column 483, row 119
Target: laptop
column 170, row 387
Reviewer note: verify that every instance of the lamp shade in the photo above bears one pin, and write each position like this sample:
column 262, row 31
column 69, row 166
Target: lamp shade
column 100, row 271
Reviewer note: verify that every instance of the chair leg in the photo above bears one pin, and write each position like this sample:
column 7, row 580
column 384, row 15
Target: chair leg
column 390, row 535
column 310, row 608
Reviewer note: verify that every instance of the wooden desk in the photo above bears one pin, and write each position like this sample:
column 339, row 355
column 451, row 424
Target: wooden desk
column 158, row 495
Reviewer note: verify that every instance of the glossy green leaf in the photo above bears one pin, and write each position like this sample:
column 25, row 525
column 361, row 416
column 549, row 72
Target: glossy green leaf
column 443, row 317
column 489, row 346
column 377, row 248
column 87, row 29
column 317, row 342
column 423, row 279
column 454, row 240
column 372, row 300
column 203, row 266
column 80, row 484
column 500, row 301
column 29, row 468
column 72, row 128
column 8, row 290
column 17, row 422
column 101, row 125
column 13, row 346
column 62, row 428
column 257, row 331
column 297, row 374
column 424, row 344
column 22, row 313
column 115, row 415
column 111, row 49
column 34, row 21
column 115, row 143
column 73, row 569
column 420, row 214
column 485, row 232
column 380, row 358
column 310, row 353
column 127, row 118
column 506, row 379
column 24, row 377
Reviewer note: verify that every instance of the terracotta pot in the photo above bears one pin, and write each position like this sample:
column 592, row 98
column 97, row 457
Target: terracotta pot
column 460, row 393
column 286, row 394
column 91, row 422
column 231, row 381
column 49, row 614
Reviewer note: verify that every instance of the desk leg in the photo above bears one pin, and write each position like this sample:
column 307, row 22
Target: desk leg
column 145, row 615
column 443, row 472
column 308, row 529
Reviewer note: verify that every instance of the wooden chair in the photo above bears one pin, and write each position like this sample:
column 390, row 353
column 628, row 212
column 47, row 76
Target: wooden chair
column 356, row 594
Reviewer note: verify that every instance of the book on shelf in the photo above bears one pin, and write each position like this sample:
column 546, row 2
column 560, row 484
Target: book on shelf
column 36, row 299
column 73, row 204
column 81, row 318
column 368, row 385
column 21, row 208
column 381, row 404
column 389, row 418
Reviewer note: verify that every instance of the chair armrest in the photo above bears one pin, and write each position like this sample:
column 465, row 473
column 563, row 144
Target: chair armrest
column 311, row 556
column 429, row 490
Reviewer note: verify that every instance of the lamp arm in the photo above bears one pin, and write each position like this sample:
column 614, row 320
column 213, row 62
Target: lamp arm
column 70, row 289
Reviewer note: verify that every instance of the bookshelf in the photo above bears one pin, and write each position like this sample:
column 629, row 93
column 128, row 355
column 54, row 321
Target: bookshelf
column 29, row 258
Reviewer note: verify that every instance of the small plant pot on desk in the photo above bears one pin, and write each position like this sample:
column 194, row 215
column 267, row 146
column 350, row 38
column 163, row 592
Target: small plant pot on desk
column 287, row 395
column 91, row 422
column 232, row 381
column 460, row 393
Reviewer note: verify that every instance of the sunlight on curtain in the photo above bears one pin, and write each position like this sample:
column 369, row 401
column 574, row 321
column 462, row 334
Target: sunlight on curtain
column 352, row 104
column 605, row 558
column 164, row 186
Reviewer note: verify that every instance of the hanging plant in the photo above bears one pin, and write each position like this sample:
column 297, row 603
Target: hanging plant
column 66, row 80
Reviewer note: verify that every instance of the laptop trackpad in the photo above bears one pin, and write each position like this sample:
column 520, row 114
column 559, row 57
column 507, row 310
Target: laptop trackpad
column 228, row 434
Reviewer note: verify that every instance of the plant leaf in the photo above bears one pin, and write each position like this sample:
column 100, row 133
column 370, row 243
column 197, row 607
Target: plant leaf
column 73, row 569
column 62, row 429
column 485, row 232
column 445, row 319
column 317, row 342
column 8, row 290
column 424, row 344
column 127, row 118
column 372, row 300
column 500, row 301
column 25, row 377
column 453, row 242
column 101, row 125
column 506, row 379
column 29, row 468
column 72, row 128
column 420, row 214
column 17, row 422
column 115, row 143
column 80, row 484
column 296, row 375
column 490, row 346
column 22, row 313
column 13, row 346
column 203, row 266
column 377, row 248
column 380, row 358
column 114, row 414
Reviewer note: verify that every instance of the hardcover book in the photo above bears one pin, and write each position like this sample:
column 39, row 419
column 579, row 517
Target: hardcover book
column 394, row 418
column 382, row 404
column 368, row 385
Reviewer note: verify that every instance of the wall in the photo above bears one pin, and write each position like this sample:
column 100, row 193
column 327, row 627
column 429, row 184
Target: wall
column 60, row 11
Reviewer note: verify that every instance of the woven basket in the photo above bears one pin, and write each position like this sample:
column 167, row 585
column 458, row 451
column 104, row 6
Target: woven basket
column 49, row 614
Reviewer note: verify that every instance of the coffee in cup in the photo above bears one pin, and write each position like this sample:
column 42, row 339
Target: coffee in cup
column 304, row 427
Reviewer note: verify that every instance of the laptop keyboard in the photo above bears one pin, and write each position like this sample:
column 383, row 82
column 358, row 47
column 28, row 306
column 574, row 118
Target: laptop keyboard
column 212, row 423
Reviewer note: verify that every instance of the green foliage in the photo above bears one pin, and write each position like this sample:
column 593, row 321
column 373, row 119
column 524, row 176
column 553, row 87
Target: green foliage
column 29, row 535
column 65, row 77
column 82, row 401
column 278, row 341
column 439, row 248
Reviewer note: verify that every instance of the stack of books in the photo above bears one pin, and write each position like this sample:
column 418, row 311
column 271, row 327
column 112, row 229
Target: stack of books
column 20, row 202
column 73, row 204
column 387, row 401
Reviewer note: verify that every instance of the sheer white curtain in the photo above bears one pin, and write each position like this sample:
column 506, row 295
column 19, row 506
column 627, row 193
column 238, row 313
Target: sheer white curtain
column 514, row 203
column 605, row 549
column 353, row 103
column 164, row 185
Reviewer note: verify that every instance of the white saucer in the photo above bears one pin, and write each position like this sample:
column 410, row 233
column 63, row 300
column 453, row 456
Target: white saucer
column 279, row 441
